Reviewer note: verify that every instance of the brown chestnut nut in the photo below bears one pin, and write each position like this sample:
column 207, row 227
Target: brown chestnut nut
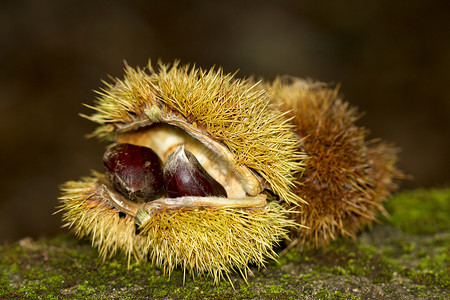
column 135, row 171
column 184, row 176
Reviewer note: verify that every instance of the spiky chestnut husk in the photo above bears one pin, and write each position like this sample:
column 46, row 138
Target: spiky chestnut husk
column 204, row 242
column 238, row 136
column 347, row 176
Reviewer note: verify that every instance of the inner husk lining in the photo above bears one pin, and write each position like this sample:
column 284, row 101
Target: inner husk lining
column 238, row 181
column 144, row 211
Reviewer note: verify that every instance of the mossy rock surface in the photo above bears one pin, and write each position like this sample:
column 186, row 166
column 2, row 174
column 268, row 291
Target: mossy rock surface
column 406, row 257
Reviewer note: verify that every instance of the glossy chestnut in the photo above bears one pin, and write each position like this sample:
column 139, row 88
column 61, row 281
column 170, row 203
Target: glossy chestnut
column 135, row 171
column 184, row 176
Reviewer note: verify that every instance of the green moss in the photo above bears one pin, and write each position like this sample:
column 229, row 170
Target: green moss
column 291, row 256
column 421, row 211
column 64, row 267
column 385, row 270
column 322, row 294
column 5, row 287
column 432, row 271
column 276, row 289
column 339, row 295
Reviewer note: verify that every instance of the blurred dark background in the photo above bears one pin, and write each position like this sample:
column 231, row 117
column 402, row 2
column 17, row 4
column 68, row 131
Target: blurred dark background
column 391, row 57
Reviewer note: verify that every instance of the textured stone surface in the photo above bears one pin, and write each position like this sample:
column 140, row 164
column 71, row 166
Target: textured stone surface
column 394, row 260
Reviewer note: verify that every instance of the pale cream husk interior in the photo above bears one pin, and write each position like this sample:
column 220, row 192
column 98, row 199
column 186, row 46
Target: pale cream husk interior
column 239, row 137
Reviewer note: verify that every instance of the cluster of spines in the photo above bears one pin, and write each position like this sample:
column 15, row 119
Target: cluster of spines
column 231, row 111
column 345, row 181
column 347, row 176
column 206, row 242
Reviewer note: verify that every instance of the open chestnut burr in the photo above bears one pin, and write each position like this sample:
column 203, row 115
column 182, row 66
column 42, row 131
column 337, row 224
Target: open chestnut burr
column 219, row 172
column 236, row 142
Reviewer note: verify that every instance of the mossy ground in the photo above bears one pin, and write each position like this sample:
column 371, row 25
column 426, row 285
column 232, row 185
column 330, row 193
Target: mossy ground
column 406, row 257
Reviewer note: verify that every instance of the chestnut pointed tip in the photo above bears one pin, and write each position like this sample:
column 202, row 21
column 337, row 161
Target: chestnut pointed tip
column 185, row 176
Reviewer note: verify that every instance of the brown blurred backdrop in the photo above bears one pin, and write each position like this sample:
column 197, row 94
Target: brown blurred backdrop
column 391, row 57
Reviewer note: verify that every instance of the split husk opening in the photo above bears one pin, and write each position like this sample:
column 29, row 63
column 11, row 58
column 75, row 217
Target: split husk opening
column 242, row 141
